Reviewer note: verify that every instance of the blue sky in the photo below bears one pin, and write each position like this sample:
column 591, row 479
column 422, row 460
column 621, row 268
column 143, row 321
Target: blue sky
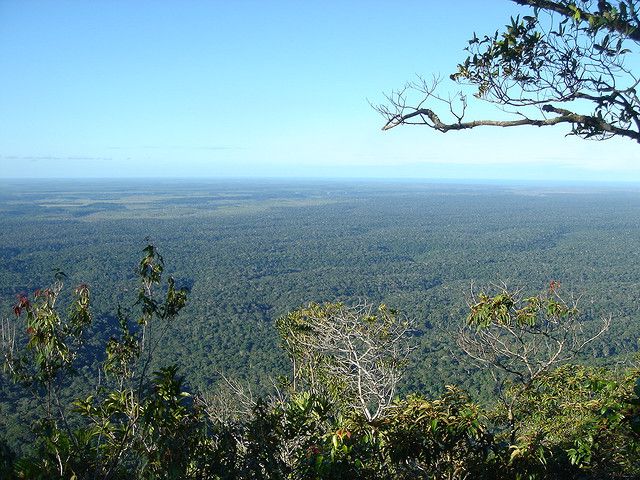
column 255, row 88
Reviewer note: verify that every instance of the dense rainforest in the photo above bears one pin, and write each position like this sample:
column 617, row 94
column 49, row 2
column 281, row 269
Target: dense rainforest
column 219, row 374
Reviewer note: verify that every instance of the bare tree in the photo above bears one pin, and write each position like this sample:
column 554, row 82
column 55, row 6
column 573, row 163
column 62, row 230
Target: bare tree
column 566, row 63
column 522, row 338
column 355, row 354
column 231, row 401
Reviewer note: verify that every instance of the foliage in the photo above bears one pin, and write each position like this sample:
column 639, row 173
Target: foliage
column 577, row 421
column 567, row 61
column 353, row 354
column 50, row 342
column 444, row 438
column 127, row 421
column 521, row 339
column 169, row 431
column 413, row 246
column 524, row 337
column 304, row 437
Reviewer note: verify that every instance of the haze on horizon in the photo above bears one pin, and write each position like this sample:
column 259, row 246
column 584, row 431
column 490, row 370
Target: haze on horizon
column 254, row 89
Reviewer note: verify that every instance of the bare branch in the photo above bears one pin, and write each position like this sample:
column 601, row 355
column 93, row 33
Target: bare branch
column 570, row 71
column 231, row 401
column 354, row 353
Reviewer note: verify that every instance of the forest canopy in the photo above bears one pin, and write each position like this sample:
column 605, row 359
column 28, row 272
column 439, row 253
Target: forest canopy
column 570, row 422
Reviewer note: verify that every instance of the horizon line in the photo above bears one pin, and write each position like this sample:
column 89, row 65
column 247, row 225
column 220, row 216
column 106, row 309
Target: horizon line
column 417, row 179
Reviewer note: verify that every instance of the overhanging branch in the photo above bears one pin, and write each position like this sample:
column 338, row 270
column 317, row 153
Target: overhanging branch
column 619, row 26
column 428, row 117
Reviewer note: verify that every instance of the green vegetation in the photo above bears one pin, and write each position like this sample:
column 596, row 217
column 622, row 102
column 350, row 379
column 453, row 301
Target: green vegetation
column 416, row 247
column 338, row 416
column 251, row 253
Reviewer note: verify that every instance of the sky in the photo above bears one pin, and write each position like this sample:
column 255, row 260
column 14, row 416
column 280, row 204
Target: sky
column 187, row 88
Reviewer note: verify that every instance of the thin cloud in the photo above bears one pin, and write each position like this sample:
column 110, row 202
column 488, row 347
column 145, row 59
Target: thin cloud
column 33, row 158
column 177, row 147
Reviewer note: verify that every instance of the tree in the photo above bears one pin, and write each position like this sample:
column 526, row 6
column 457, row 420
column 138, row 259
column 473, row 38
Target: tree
column 342, row 419
column 565, row 63
column 579, row 419
column 521, row 339
column 131, row 422
column 41, row 357
column 355, row 354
